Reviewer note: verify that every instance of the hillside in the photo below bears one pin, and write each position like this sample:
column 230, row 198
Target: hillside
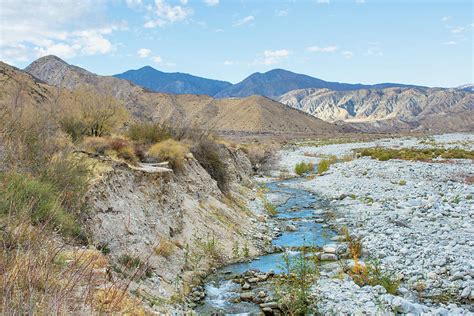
column 176, row 83
column 250, row 115
column 388, row 109
column 278, row 81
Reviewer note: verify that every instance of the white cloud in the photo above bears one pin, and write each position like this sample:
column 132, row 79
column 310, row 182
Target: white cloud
column 450, row 43
column 347, row 54
column 32, row 28
column 458, row 29
column 183, row 2
column 134, row 3
column 323, row 1
column 167, row 14
column 157, row 59
column 228, row 63
column 328, row 49
column 360, row 1
column 374, row 49
column 271, row 57
column 244, row 20
column 281, row 13
column 211, row 2
column 445, row 18
column 144, row 52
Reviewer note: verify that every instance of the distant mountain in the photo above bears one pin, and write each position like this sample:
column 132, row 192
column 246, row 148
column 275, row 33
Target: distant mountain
column 389, row 109
column 176, row 83
column 276, row 82
column 466, row 87
column 248, row 116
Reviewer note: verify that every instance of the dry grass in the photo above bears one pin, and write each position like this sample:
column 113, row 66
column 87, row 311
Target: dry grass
column 165, row 248
column 170, row 150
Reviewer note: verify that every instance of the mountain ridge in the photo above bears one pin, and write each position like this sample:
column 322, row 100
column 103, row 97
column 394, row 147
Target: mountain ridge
column 173, row 82
column 252, row 115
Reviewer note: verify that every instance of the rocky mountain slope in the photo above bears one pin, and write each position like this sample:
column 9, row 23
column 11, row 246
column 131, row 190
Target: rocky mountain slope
column 467, row 87
column 176, row 83
column 250, row 115
column 278, row 81
column 388, row 109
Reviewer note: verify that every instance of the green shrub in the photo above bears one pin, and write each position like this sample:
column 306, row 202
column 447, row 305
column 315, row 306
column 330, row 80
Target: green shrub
column 148, row 133
column 170, row 150
column 21, row 193
column 303, row 167
column 207, row 154
column 292, row 286
column 323, row 166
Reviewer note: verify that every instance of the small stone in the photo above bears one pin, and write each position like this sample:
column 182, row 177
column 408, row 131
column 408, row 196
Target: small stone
column 246, row 286
column 262, row 294
column 466, row 293
column 328, row 257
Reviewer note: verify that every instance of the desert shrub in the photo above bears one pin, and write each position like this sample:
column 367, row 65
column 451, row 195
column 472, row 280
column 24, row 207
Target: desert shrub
column 117, row 143
column 170, row 150
column 127, row 153
column 270, row 208
column 292, row 286
column 372, row 274
column 73, row 126
column 42, row 200
column 70, row 176
column 402, row 182
column 323, row 166
column 97, row 145
column 207, row 154
column 88, row 113
column 148, row 133
column 303, row 167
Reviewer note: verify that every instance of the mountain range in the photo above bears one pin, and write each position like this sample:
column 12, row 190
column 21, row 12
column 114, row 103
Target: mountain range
column 389, row 108
column 252, row 115
column 308, row 111
column 270, row 84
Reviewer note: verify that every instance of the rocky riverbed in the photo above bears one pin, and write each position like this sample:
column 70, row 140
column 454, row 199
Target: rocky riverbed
column 416, row 218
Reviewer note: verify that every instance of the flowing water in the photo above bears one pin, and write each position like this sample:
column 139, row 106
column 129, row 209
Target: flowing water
column 300, row 208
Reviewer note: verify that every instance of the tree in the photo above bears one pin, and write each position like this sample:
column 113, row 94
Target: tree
column 88, row 113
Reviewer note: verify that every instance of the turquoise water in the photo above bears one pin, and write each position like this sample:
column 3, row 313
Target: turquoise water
column 300, row 209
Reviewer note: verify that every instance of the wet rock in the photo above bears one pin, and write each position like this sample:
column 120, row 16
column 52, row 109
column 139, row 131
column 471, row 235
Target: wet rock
column 262, row 294
column 247, row 296
column 246, row 286
column 328, row 257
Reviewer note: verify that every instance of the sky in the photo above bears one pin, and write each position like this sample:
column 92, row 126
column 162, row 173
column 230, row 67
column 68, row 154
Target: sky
column 368, row 41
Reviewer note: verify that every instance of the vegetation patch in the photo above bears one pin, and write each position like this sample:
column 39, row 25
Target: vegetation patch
column 303, row 168
column 384, row 154
column 170, row 150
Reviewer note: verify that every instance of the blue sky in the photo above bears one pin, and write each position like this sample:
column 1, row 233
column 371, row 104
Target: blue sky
column 368, row 41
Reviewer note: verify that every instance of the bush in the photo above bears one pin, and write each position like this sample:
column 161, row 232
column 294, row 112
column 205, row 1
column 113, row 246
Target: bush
column 97, row 145
column 207, row 154
column 42, row 200
column 384, row 154
column 372, row 274
column 293, row 285
column 304, row 167
column 323, row 166
column 270, row 208
column 148, row 133
column 170, row 150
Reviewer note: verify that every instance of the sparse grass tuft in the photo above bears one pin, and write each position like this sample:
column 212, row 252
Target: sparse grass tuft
column 165, row 248
column 270, row 208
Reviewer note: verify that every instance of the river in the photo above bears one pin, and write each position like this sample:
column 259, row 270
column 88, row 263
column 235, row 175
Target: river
column 298, row 207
